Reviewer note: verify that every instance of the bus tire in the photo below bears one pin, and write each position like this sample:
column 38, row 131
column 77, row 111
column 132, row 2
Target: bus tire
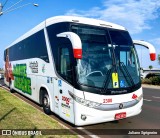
column 46, row 103
column 11, row 87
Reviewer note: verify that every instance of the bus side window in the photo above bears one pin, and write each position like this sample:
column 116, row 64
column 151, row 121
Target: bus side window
column 65, row 69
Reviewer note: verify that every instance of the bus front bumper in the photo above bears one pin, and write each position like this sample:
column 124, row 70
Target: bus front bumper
column 86, row 115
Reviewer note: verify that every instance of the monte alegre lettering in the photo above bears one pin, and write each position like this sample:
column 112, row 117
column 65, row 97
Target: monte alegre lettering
column 21, row 81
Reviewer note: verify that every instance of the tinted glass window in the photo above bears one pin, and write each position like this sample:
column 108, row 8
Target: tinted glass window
column 65, row 69
column 31, row 47
column 120, row 37
column 53, row 30
column 106, row 51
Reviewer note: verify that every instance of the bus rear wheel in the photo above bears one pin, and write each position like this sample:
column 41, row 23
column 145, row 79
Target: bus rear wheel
column 46, row 103
column 11, row 87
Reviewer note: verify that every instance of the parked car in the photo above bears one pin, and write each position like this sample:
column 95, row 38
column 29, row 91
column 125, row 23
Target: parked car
column 1, row 76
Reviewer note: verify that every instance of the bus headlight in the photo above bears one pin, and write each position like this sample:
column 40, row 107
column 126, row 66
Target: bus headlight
column 83, row 101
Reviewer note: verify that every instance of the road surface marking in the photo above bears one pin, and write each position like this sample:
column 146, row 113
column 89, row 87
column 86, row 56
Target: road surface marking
column 87, row 132
column 155, row 97
column 147, row 100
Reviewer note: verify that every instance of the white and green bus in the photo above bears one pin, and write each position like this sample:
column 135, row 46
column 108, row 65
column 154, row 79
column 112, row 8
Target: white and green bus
column 84, row 70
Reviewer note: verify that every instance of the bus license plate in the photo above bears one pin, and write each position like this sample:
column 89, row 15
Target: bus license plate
column 120, row 115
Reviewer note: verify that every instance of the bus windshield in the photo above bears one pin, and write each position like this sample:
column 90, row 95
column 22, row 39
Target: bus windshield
column 105, row 51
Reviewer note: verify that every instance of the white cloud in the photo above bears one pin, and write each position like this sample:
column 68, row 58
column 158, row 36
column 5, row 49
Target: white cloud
column 132, row 14
column 156, row 41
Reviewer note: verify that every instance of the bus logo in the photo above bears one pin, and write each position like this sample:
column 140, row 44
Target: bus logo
column 120, row 106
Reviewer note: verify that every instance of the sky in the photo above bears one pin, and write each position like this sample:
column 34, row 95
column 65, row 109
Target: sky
column 140, row 17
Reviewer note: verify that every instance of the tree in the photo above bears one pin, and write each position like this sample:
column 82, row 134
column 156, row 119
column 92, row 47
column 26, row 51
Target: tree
column 150, row 67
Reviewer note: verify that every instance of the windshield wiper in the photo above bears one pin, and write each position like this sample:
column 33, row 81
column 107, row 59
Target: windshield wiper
column 107, row 80
column 128, row 74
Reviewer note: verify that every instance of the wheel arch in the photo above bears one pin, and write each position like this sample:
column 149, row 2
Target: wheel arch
column 42, row 90
column 41, row 93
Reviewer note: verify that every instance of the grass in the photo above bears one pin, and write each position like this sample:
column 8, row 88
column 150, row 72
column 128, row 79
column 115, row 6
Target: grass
column 16, row 114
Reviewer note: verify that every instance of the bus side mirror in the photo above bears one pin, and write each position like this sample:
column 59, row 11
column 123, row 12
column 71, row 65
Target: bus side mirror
column 151, row 48
column 76, row 43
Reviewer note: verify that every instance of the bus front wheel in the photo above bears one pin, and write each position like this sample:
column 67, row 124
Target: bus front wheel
column 46, row 103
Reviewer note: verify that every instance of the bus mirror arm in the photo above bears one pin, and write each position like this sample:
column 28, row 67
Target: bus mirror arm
column 76, row 43
column 151, row 48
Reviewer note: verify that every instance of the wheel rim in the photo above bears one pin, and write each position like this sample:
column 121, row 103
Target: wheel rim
column 46, row 101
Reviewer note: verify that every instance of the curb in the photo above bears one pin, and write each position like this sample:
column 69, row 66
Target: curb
column 150, row 86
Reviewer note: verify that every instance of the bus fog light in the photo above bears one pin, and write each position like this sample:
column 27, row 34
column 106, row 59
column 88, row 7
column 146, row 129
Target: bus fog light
column 83, row 117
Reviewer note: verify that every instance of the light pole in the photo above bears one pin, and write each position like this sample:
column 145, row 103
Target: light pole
column 11, row 8
column 1, row 8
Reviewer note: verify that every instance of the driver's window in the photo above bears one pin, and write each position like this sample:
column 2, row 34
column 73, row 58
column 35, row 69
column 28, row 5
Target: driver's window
column 131, row 58
column 65, row 69
column 127, row 58
column 123, row 57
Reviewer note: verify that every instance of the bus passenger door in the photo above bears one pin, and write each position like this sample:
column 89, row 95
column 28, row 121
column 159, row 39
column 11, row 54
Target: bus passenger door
column 64, row 82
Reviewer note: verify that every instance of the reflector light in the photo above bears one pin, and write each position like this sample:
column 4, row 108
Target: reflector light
column 77, row 53
column 134, row 96
column 152, row 56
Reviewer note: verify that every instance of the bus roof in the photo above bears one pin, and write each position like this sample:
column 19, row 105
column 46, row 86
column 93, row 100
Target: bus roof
column 82, row 20
column 58, row 19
